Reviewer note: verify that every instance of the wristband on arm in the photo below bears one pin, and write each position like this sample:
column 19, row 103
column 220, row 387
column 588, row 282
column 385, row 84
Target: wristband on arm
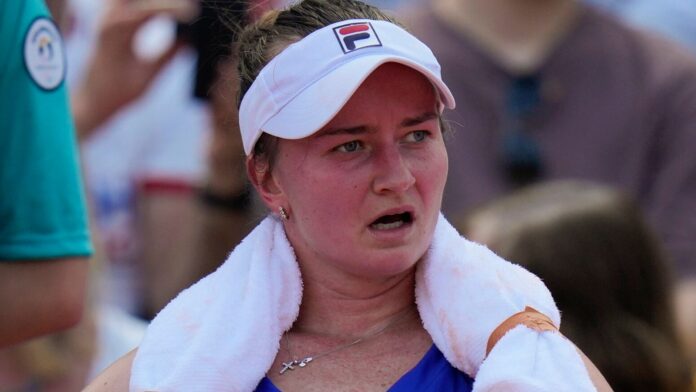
column 529, row 317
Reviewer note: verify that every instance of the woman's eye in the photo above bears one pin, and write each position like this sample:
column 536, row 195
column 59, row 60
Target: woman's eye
column 418, row 136
column 351, row 146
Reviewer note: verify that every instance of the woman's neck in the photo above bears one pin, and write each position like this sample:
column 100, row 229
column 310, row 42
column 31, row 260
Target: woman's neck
column 353, row 308
column 519, row 34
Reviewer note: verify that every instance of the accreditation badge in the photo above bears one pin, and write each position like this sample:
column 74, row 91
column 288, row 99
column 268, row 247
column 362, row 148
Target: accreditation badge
column 44, row 56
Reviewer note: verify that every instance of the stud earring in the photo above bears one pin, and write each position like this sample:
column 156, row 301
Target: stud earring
column 283, row 213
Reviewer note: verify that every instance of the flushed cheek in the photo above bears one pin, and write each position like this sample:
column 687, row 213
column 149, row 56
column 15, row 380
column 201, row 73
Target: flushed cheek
column 431, row 188
column 430, row 180
column 330, row 198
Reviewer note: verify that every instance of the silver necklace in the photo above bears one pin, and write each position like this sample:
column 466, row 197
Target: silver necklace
column 303, row 362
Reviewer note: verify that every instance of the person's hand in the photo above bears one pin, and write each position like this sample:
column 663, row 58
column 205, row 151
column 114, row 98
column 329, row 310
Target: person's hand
column 116, row 75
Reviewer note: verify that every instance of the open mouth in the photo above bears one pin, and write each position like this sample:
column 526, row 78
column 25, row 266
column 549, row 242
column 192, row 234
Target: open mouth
column 390, row 222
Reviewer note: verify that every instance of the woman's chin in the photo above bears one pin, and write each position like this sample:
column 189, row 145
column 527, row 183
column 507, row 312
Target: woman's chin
column 395, row 263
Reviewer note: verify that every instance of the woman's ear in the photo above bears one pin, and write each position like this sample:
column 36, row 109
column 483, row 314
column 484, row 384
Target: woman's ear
column 265, row 182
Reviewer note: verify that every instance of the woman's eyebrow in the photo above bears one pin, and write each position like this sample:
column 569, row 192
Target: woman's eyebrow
column 361, row 129
column 409, row 122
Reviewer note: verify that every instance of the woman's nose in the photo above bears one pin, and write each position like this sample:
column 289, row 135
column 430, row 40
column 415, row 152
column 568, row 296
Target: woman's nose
column 392, row 174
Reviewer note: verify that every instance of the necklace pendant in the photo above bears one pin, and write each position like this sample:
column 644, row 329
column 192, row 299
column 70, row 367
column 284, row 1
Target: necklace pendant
column 305, row 361
column 290, row 365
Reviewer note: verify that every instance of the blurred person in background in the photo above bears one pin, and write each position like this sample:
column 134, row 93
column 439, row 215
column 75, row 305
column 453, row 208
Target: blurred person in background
column 606, row 270
column 143, row 153
column 44, row 238
column 64, row 361
column 60, row 361
column 168, row 216
column 556, row 89
column 137, row 101
column 675, row 19
column 224, row 208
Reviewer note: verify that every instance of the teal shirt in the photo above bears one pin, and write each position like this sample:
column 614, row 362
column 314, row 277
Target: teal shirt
column 42, row 205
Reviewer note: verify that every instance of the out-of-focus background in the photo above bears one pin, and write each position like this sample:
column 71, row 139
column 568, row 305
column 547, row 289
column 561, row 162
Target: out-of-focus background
column 571, row 152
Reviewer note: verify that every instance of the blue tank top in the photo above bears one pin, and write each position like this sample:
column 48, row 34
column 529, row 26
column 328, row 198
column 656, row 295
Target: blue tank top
column 432, row 373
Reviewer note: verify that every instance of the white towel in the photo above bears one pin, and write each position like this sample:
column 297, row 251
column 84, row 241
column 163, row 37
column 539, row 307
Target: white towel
column 223, row 333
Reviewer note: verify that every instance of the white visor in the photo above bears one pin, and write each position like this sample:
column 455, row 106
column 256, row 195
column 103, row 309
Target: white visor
column 303, row 87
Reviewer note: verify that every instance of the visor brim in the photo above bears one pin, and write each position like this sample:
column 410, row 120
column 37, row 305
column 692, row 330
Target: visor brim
column 317, row 104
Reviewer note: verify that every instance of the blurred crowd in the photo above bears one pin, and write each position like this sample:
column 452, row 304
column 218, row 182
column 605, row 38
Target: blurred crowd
column 570, row 153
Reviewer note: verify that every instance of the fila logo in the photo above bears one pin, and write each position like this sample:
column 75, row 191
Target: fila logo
column 356, row 36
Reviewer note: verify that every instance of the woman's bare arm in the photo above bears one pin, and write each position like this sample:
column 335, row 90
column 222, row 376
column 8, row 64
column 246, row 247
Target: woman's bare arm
column 115, row 378
column 595, row 375
column 40, row 296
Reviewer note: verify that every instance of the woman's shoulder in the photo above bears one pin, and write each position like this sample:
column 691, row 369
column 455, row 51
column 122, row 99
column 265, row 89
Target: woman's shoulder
column 115, row 378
